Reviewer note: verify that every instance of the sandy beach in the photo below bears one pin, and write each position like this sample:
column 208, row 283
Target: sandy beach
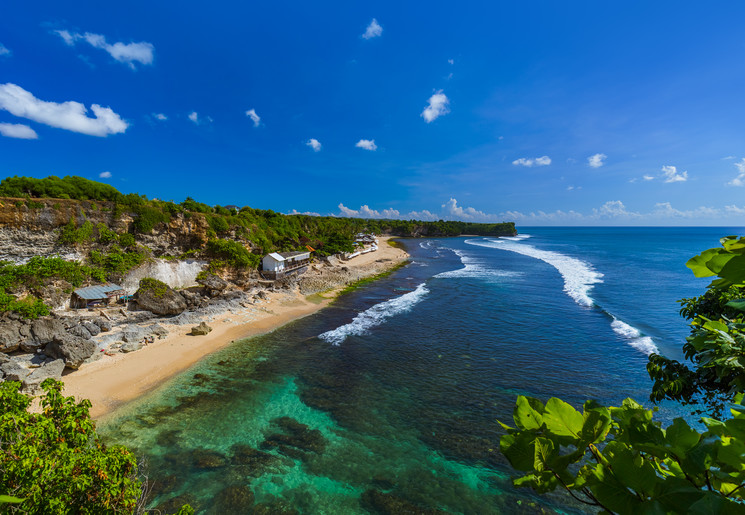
column 115, row 380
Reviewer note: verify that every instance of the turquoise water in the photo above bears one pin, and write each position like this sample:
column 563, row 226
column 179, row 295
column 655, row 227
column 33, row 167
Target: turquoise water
column 388, row 399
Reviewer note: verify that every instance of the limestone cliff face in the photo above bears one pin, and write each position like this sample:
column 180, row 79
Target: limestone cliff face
column 31, row 228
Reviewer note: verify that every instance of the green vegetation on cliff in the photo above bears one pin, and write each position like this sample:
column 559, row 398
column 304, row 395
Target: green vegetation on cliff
column 261, row 230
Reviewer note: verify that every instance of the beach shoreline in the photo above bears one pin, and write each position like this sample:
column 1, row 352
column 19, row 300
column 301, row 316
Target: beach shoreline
column 114, row 381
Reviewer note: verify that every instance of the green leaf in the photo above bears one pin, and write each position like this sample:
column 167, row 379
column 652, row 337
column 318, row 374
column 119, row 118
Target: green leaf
column 527, row 413
column 595, row 425
column 681, row 437
column 631, row 470
column 5, row 499
column 613, row 494
column 697, row 264
column 544, row 452
column 734, row 269
column 519, row 449
column 714, row 503
column 677, row 495
column 738, row 304
column 562, row 419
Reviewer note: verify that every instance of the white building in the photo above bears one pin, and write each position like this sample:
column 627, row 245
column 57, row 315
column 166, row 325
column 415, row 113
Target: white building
column 277, row 264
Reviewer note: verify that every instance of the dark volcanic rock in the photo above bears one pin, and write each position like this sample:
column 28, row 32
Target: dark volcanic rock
column 389, row 504
column 233, row 499
column 13, row 371
column 51, row 369
column 44, row 330
column 213, row 284
column 10, row 336
column 80, row 331
column 72, row 349
column 92, row 328
column 103, row 324
column 162, row 301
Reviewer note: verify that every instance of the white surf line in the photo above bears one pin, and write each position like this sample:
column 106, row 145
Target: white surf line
column 375, row 316
column 579, row 276
column 579, row 279
column 472, row 268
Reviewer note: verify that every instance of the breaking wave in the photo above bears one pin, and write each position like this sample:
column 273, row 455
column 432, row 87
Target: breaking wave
column 633, row 336
column 375, row 316
column 579, row 279
column 473, row 268
column 579, row 276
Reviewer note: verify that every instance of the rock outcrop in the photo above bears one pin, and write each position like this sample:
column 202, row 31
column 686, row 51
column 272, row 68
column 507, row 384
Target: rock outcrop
column 157, row 297
column 73, row 349
column 201, row 329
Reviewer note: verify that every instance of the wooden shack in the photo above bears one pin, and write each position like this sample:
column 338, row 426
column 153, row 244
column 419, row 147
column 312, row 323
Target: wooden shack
column 98, row 295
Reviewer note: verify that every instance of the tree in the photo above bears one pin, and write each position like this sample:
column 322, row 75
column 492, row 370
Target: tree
column 53, row 461
column 716, row 346
column 618, row 459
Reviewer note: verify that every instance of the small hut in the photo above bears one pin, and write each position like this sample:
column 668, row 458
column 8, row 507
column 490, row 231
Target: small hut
column 99, row 295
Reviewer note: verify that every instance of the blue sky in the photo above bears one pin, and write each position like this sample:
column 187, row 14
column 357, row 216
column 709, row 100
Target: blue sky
column 579, row 113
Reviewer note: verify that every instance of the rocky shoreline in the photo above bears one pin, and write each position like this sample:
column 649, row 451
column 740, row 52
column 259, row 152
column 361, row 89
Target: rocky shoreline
column 59, row 344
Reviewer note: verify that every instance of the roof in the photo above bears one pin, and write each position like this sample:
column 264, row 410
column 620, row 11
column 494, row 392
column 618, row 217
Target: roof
column 287, row 255
column 276, row 257
column 100, row 291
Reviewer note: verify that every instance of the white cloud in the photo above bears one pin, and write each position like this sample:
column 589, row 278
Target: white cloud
column 251, row 113
column 648, row 177
column 4, row 50
column 367, row 144
column 671, row 174
column 105, row 175
column 160, row 116
column 451, row 61
column 596, row 161
column 314, row 144
column 67, row 37
column 365, row 212
column 613, row 212
column 17, row 130
column 194, row 117
column 127, row 53
column 530, row 161
column 438, row 106
column 308, row 213
column 69, row 115
column 740, row 179
column 373, row 30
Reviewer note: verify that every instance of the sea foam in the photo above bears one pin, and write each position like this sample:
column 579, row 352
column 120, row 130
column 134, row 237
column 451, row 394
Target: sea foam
column 473, row 268
column 579, row 276
column 375, row 316
column 633, row 336
column 579, row 279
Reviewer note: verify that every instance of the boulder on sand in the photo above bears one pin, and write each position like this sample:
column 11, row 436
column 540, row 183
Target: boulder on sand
column 213, row 284
column 73, row 349
column 49, row 369
column 201, row 329
column 159, row 298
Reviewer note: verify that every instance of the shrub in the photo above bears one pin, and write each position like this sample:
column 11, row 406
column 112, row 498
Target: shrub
column 233, row 253
column 153, row 286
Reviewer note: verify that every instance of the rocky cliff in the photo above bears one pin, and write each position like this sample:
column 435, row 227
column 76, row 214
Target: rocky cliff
column 32, row 227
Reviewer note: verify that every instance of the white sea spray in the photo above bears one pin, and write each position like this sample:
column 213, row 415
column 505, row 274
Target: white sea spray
column 375, row 315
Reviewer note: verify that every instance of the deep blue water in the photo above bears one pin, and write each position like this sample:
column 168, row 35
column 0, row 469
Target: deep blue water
column 400, row 383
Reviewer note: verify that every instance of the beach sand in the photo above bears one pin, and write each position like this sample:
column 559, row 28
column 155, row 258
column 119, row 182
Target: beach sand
column 115, row 380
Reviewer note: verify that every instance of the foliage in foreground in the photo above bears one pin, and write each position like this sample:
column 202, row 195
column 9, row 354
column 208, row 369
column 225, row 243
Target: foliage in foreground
column 642, row 468
column 617, row 459
column 716, row 346
column 53, row 461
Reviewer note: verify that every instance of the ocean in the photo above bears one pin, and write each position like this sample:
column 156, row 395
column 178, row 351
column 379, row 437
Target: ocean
column 391, row 396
